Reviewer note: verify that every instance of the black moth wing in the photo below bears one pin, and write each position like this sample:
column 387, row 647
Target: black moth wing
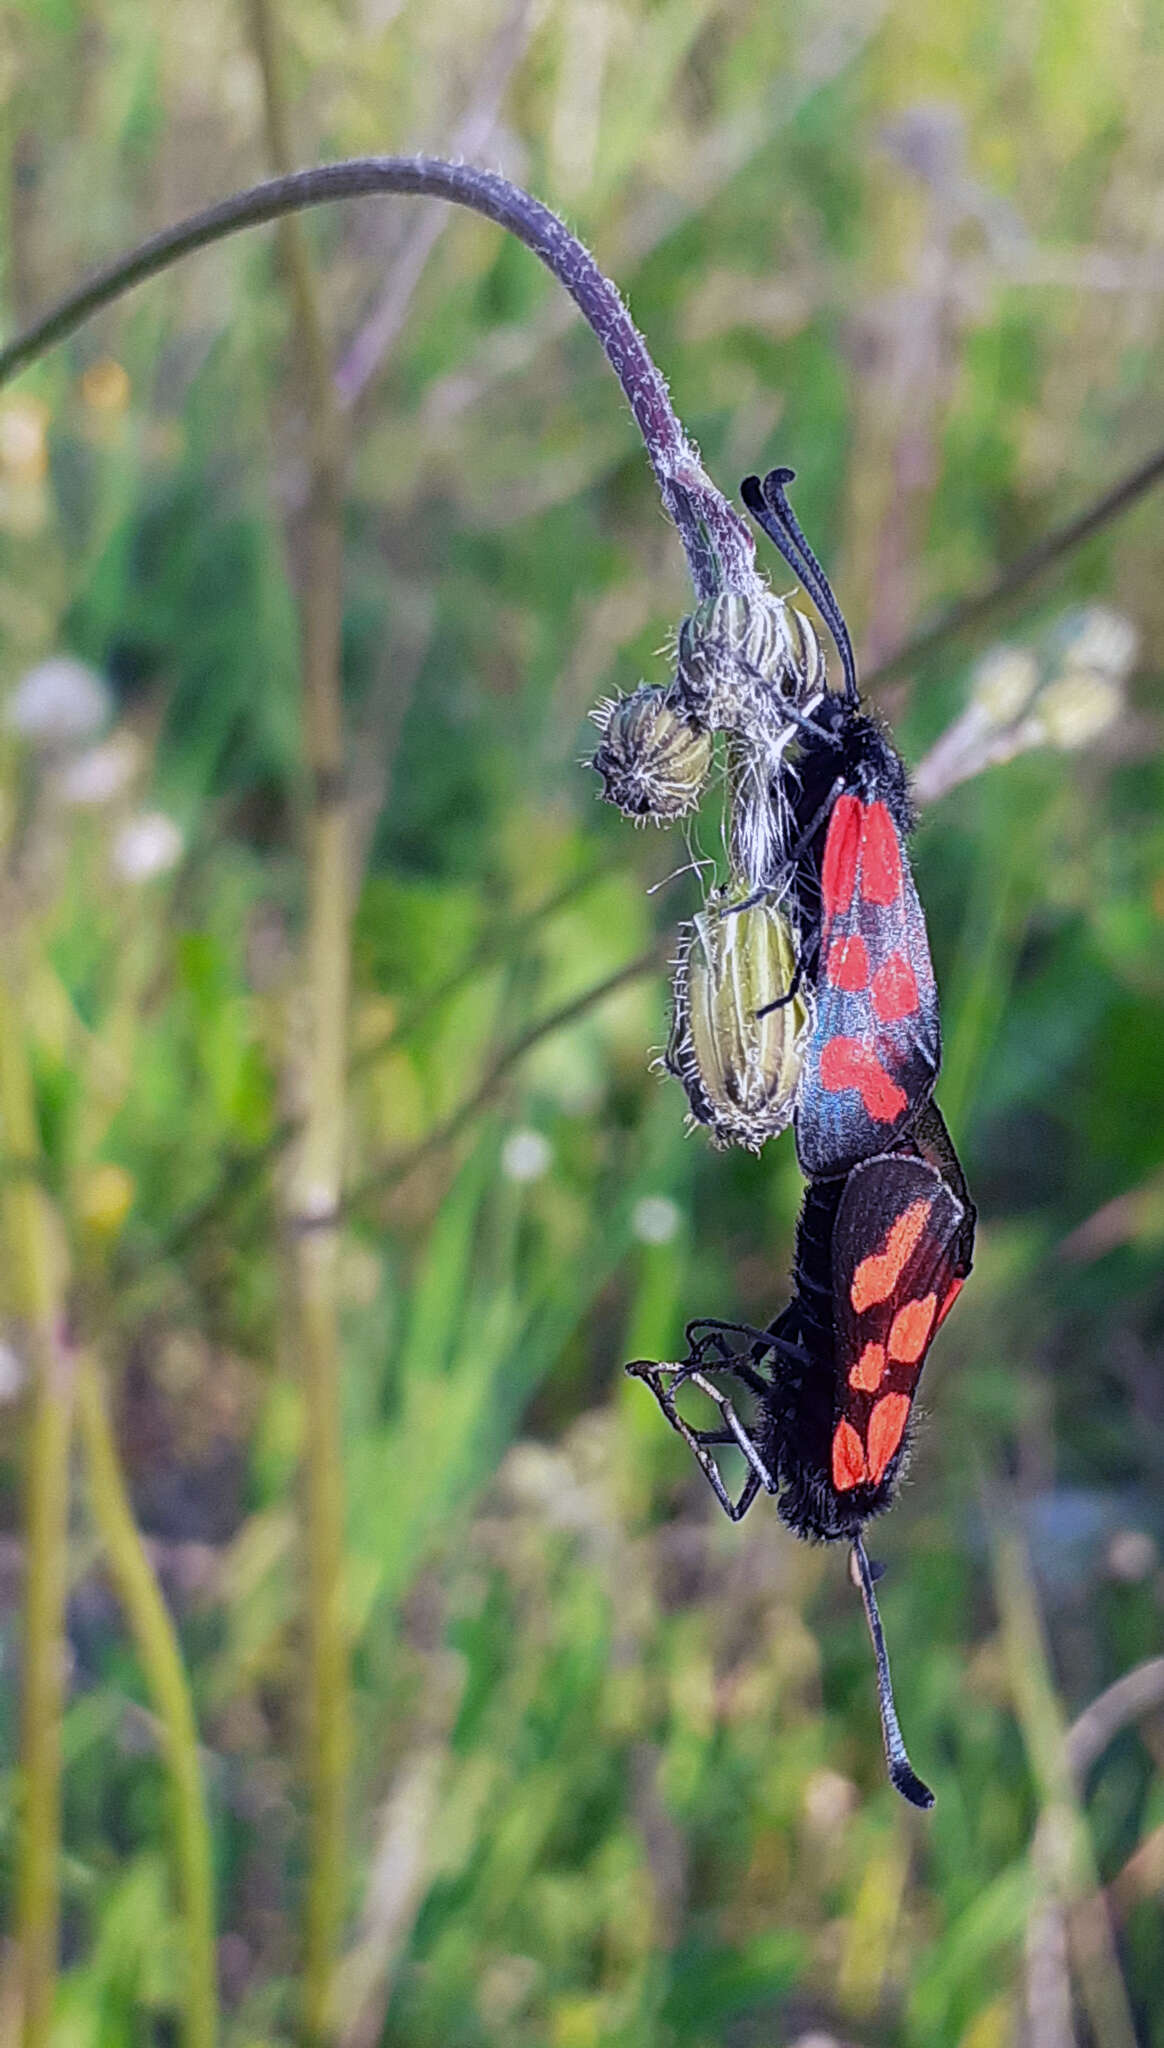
column 902, row 1247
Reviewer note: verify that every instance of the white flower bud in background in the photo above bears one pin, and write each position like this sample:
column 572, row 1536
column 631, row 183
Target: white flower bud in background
column 1096, row 637
column 1076, row 708
column 1017, row 702
column 526, row 1156
column 656, row 1219
column 58, row 701
column 102, row 773
column 1131, row 1555
column 1094, row 650
column 12, row 1373
column 1003, row 683
column 148, row 845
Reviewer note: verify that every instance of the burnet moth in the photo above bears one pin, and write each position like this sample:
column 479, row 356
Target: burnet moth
column 881, row 1255
column 874, row 1051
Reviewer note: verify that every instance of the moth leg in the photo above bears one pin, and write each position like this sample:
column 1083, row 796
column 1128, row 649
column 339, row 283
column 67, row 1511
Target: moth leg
column 700, row 1441
column 728, row 1361
column 714, row 1327
column 794, row 988
column 739, row 1435
column 744, row 1369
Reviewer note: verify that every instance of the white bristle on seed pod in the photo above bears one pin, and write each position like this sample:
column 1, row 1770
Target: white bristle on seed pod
column 758, row 813
column 739, row 1069
column 738, row 657
column 654, row 762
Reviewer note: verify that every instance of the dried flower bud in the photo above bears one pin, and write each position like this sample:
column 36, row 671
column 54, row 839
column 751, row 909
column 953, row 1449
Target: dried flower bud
column 653, row 760
column 740, row 1070
column 738, row 656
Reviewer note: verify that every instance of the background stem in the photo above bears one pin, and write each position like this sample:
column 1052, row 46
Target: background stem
column 157, row 1646
column 314, row 1180
column 1063, row 1863
column 34, row 1288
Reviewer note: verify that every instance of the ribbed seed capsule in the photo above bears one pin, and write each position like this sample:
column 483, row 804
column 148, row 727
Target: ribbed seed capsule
column 653, row 760
column 740, row 1070
column 738, row 656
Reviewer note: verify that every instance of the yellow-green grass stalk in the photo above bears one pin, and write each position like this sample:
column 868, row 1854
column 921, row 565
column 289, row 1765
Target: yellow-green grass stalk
column 313, row 1183
column 34, row 1288
column 157, row 1646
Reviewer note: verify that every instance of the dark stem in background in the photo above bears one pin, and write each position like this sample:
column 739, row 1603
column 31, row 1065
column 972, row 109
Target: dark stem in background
column 311, row 1186
column 719, row 548
column 1053, row 546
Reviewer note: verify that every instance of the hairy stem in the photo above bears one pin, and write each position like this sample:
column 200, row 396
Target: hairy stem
column 315, row 1172
column 719, row 548
column 161, row 1660
column 34, row 1293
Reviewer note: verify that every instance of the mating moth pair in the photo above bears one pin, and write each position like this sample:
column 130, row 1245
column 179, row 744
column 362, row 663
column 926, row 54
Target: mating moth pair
column 805, row 995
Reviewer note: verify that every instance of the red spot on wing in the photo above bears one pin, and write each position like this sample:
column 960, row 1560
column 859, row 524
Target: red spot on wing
column 877, row 1276
column 911, row 1330
column 955, row 1290
column 848, row 1458
column 848, row 964
column 886, row 1429
column 894, row 989
column 869, row 1370
column 848, row 1063
column 880, row 857
column 839, row 866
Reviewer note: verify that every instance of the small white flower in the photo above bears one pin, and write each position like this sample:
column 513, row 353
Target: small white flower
column 101, row 773
column 148, row 845
column 526, row 1155
column 656, row 1219
column 1131, row 1555
column 58, row 700
column 12, row 1374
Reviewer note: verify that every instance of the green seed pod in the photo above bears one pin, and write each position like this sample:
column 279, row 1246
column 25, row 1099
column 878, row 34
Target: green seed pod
column 653, row 760
column 738, row 656
column 740, row 1070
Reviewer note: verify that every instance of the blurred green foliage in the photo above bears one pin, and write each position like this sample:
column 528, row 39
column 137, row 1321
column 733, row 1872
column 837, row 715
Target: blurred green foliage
column 618, row 1776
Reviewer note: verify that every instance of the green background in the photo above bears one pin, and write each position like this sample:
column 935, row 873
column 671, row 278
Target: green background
column 617, row 1770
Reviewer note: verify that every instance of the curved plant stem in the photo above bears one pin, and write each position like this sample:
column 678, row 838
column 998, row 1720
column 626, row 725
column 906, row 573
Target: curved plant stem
column 34, row 1283
column 161, row 1659
column 719, row 548
column 315, row 1168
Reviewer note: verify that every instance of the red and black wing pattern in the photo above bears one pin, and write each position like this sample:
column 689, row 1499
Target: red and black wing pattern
column 876, row 1043
column 902, row 1247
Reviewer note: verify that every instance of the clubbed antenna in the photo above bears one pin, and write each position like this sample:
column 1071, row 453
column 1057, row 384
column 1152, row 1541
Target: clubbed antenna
column 902, row 1775
column 769, row 507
